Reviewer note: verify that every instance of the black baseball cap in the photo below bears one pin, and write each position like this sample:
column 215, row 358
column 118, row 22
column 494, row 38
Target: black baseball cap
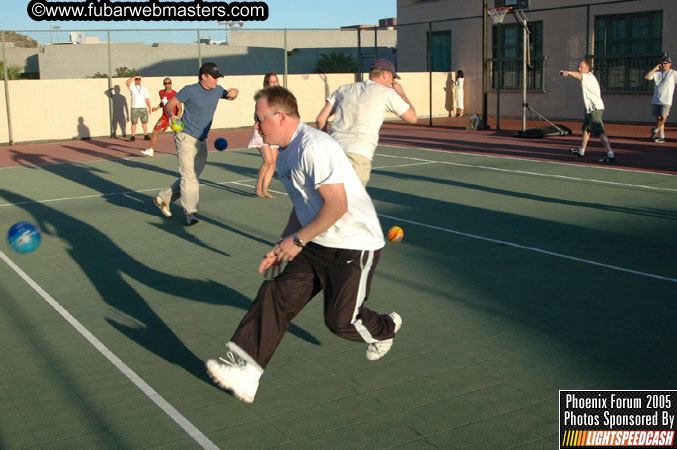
column 210, row 69
column 384, row 64
column 666, row 59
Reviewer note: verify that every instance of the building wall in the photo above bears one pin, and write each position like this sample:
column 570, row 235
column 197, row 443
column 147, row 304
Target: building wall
column 564, row 44
column 82, row 108
column 248, row 53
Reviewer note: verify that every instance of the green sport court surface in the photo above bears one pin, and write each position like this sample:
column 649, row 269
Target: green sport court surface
column 516, row 278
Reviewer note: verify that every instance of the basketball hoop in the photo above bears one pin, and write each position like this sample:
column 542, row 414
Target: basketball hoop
column 498, row 14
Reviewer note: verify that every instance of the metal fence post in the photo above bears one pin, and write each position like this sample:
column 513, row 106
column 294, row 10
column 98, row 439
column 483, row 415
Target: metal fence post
column 199, row 51
column 4, row 65
column 110, row 87
column 286, row 60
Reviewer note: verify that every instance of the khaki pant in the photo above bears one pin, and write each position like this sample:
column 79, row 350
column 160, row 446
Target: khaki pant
column 362, row 167
column 191, row 154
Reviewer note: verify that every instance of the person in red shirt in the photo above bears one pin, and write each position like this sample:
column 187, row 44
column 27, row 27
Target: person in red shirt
column 166, row 94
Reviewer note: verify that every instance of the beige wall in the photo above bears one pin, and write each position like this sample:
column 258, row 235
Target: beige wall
column 564, row 43
column 43, row 110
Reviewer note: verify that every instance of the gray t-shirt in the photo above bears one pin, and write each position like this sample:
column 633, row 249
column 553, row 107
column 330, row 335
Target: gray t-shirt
column 199, row 105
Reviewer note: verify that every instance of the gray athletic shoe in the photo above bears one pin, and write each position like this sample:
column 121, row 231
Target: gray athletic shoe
column 191, row 220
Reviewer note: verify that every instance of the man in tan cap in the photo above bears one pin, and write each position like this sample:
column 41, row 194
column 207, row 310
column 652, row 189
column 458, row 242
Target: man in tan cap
column 359, row 110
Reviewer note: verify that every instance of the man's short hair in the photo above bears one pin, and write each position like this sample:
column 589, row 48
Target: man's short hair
column 587, row 62
column 280, row 98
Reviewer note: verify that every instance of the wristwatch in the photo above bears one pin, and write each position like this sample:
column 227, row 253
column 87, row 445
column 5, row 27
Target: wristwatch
column 297, row 241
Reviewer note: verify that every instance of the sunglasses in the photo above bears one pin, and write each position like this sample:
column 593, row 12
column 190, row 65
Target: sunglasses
column 167, row 82
column 259, row 119
column 137, row 79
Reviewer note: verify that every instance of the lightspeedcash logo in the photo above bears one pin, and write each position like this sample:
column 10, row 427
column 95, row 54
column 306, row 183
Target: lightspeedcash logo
column 151, row 10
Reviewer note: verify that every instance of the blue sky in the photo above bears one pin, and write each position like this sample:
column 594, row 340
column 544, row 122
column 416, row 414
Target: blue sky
column 282, row 14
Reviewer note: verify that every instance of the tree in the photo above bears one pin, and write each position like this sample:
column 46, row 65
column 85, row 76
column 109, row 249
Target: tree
column 336, row 63
column 120, row 72
column 13, row 72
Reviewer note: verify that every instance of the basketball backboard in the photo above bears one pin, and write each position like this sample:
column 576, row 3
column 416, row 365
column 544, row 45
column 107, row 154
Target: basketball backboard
column 515, row 4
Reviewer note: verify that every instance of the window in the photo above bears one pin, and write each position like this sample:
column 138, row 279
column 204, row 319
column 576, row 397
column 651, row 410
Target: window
column 511, row 57
column 626, row 47
column 440, row 51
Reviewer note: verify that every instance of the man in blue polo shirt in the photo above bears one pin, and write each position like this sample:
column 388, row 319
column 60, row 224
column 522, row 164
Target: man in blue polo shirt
column 199, row 104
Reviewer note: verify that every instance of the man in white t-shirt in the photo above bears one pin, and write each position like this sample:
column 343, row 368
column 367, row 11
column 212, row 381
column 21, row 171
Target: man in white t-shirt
column 140, row 106
column 359, row 110
column 665, row 79
column 331, row 243
column 594, row 109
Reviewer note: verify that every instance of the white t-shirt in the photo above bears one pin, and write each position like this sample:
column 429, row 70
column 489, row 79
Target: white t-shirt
column 665, row 87
column 312, row 159
column 592, row 97
column 139, row 95
column 360, row 109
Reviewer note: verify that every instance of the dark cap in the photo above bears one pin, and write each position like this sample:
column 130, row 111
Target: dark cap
column 210, row 69
column 666, row 59
column 384, row 64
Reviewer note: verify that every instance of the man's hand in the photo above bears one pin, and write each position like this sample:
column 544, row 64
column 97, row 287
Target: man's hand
column 284, row 251
column 270, row 261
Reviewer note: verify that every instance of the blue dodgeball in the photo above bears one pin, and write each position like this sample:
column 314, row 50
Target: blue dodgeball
column 220, row 144
column 23, row 237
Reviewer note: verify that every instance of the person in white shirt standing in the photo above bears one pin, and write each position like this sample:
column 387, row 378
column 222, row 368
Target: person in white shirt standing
column 331, row 243
column 140, row 106
column 594, row 109
column 665, row 79
column 359, row 110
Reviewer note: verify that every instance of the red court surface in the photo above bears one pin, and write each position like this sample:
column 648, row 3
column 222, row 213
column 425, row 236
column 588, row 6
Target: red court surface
column 634, row 150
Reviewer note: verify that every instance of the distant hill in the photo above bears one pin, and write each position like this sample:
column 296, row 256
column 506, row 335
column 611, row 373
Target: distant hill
column 20, row 40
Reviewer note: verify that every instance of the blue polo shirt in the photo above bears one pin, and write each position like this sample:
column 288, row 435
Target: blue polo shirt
column 199, row 105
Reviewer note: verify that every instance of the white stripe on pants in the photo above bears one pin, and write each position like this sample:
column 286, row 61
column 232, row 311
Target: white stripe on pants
column 191, row 154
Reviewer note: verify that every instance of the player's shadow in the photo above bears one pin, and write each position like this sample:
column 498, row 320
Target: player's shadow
column 113, row 272
column 120, row 110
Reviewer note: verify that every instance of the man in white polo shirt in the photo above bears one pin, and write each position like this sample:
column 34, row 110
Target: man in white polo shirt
column 140, row 106
column 359, row 110
column 665, row 79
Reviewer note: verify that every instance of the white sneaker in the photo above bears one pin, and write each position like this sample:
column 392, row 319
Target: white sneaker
column 236, row 376
column 148, row 152
column 164, row 207
column 377, row 350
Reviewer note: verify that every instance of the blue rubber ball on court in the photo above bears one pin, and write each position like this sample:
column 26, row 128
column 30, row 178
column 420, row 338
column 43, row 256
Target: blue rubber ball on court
column 220, row 144
column 24, row 237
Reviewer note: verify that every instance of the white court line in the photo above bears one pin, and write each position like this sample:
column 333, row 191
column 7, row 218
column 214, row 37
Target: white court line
column 539, row 161
column 523, row 172
column 524, row 247
column 188, row 427
column 534, row 249
column 109, row 194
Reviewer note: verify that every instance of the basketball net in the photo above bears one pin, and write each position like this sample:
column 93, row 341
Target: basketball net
column 498, row 14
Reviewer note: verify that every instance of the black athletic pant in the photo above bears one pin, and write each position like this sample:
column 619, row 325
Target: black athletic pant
column 344, row 276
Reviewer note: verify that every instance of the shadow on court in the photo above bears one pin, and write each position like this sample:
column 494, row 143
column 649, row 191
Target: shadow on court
column 646, row 212
column 622, row 321
column 108, row 267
